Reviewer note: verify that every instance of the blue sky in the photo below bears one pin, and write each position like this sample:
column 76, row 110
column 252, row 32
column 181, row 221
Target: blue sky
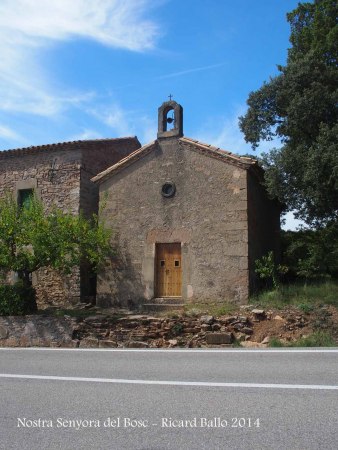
column 86, row 69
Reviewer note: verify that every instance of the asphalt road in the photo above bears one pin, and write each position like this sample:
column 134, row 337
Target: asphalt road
column 154, row 400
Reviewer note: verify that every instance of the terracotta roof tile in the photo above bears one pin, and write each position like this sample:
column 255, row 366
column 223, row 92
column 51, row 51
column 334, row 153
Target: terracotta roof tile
column 70, row 145
column 215, row 152
column 219, row 153
column 130, row 159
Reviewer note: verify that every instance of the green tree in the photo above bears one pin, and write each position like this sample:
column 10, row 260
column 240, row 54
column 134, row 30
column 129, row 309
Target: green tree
column 299, row 106
column 30, row 239
column 311, row 253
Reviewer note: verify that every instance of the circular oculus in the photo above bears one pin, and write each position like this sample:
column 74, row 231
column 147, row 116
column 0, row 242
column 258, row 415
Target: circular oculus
column 168, row 189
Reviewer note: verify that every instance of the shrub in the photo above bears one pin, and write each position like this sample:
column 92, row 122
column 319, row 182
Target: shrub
column 177, row 328
column 275, row 342
column 17, row 300
column 268, row 270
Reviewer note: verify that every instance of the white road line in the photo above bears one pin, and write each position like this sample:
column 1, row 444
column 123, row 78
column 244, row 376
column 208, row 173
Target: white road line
column 171, row 383
column 175, row 350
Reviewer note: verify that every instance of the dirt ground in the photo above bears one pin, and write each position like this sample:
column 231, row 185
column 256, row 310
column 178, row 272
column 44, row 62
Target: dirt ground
column 292, row 324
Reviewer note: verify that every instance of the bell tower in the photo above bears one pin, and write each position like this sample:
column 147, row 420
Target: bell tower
column 170, row 120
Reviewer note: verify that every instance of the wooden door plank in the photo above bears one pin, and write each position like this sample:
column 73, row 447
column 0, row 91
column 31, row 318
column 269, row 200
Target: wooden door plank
column 168, row 277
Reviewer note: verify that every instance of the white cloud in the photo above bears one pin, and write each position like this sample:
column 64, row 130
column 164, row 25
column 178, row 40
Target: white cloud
column 9, row 134
column 84, row 135
column 28, row 27
column 125, row 123
column 188, row 71
column 116, row 23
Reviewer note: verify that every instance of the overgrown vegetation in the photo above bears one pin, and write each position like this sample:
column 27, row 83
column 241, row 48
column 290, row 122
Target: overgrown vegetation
column 17, row 300
column 215, row 309
column 306, row 296
column 299, row 107
column 317, row 339
column 269, row 271
column 32, row 238
column 311, row 254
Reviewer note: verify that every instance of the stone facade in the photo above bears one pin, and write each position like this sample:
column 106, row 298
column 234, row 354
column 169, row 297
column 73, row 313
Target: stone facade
column 220, row 215
column 60, row 175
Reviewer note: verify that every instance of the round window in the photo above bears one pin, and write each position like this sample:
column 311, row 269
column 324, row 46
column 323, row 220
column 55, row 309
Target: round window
column 168, row 189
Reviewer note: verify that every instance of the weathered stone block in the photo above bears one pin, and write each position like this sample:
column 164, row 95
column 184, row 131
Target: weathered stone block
column 89, row 342
column 219, row 338
column 107, row 343
column 3, row 332
column 137, row 344
column 207, row 319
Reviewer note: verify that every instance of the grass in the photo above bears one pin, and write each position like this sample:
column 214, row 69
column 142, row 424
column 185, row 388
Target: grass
column 317, row 339
column 213, row 308
column 305, row 296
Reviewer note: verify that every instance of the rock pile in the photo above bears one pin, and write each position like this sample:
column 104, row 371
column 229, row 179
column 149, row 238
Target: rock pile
column 250, row 327
column 141, row 331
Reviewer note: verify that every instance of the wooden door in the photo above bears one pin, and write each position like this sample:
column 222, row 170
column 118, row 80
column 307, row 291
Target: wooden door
column 168, row 270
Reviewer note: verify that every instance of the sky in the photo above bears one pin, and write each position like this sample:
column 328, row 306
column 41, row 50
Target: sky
column 90, row 69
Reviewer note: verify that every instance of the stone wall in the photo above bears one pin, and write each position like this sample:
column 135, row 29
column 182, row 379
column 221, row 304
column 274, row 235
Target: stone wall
column 59, row 186
column 208, row 215
column 37, row 331
column 60, row 175
column 95, row 159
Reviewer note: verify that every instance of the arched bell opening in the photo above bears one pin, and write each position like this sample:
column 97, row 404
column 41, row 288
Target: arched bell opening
column 170, row 120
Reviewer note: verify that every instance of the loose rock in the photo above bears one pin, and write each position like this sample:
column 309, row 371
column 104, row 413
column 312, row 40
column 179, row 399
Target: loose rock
column 219, row 338
column 207, row 319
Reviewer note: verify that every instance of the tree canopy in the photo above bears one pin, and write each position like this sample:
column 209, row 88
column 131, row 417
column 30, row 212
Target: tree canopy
column 299, row 106
column 31, row 238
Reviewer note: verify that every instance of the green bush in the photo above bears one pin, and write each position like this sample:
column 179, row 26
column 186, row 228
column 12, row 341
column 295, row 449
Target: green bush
column 268, row 270
column 17, row 300
column 311, row 254
column 177, row 328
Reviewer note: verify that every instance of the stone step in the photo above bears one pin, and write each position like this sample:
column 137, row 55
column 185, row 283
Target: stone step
column 158, row 307
column 166, row 301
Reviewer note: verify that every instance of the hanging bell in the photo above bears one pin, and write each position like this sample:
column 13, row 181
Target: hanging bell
column 170, row 119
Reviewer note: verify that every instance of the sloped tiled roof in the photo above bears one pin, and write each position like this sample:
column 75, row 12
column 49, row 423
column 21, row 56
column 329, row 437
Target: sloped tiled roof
column 218, row 153
column 127, row 161
column 194, row 145
column 71, row 145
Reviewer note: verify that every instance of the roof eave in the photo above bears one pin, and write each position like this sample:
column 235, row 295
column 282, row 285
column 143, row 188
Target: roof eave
column 70, row 145
column 125, row 162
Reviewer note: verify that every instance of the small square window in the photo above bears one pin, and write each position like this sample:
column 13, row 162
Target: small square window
column 177, row 263
column 25, row 197
column 162, row 263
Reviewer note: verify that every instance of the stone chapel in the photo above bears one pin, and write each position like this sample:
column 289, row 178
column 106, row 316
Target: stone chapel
column 189, row 221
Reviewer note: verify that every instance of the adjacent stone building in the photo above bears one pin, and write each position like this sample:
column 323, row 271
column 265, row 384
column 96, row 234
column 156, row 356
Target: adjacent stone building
column 190, row 220
column 60, row 175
